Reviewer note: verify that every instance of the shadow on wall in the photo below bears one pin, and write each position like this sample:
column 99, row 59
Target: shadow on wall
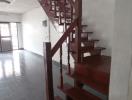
column 98, row 15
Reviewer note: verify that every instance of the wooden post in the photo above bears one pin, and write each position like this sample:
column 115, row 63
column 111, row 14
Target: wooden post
column 79, row 29
column 48, row 71
column 78, row 8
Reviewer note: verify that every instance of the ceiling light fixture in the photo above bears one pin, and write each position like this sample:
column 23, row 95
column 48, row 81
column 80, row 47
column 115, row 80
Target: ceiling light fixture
column 7, row 1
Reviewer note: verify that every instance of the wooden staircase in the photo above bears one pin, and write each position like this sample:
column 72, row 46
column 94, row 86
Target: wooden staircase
column 91, row 67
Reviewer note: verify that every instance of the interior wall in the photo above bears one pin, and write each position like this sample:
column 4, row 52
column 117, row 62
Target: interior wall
column 55, row 36
column 99, row 16
column 121, row 51
column 130, row 87
column 10, row 17
column 34, row 33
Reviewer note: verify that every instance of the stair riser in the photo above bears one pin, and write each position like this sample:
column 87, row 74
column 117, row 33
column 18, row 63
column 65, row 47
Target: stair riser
column 77, row 94
column 89, row 82
column 98, row 77
column 91, row 44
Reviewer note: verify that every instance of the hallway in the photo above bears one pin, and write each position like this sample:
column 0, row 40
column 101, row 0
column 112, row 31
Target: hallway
column 21, row 76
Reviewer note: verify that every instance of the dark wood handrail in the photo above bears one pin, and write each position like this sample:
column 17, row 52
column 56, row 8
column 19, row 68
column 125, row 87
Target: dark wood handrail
column 76, row 7
column 64, row 36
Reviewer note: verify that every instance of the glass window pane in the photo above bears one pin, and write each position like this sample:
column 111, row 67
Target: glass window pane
column 13, row 29
column 14, row 35
column 5, row 30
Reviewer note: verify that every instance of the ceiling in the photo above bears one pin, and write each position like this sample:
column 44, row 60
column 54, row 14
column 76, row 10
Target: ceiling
column 19, row 6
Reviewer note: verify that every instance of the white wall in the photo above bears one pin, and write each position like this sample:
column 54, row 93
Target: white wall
column 10, row 17
column 99, row 15
column 121, row 51
column 130, row 87
column 111, row 20
column 55, row 36
column 34, row 33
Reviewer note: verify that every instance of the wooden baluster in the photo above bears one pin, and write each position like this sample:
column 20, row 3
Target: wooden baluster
column 68, row 42
column 72, row 36
column 55, row 2
column 61, row 68
column 60, row 16
column 50, row 4
column 68, row 56
column 60, row 13
column 48, row 71
column 65, row 15
column 72, row 16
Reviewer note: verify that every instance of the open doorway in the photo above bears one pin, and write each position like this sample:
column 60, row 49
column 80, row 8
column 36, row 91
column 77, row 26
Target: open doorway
column 8, row 36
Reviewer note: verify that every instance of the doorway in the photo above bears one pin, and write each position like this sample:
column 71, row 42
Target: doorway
column 8, row 37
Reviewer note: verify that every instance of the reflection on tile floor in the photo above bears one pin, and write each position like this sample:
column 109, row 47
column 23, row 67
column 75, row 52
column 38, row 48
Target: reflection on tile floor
column 21, row 76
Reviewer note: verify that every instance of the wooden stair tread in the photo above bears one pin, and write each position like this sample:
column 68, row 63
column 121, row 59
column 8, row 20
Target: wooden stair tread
column 87, row 32
column 57, row 98
column 86, row 40
column 97, row 68
column 61, row 3
column 94, row 85
column 68, row 23
column 63, row 10
column 84, row 25
column 77, row 94
column 67, row 16
column 95, row 72
column 101, row 63
column 83, row 32
column 89, row 49
column 86, row 49
column 89, row 41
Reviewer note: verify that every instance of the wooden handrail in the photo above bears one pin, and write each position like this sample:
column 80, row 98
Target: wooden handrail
column 64, row 36
column 76, row 14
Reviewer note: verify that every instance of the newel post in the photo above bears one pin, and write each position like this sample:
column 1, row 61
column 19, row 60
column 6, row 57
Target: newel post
column 78, row 8
column 48, row 71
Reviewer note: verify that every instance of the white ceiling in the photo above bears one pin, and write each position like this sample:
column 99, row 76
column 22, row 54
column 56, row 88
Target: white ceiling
column 19, row 6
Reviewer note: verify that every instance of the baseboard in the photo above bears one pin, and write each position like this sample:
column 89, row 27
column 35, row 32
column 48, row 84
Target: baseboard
column 21, row 48
column 33, row 53
column 56, row 63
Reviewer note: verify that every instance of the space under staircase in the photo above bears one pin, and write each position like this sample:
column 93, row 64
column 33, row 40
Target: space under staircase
column 91, row 67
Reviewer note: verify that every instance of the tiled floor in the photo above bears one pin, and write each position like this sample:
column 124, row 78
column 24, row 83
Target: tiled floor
column 21, row 76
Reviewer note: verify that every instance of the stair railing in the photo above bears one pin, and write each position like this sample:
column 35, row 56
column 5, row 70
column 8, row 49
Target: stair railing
column 50, row 52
